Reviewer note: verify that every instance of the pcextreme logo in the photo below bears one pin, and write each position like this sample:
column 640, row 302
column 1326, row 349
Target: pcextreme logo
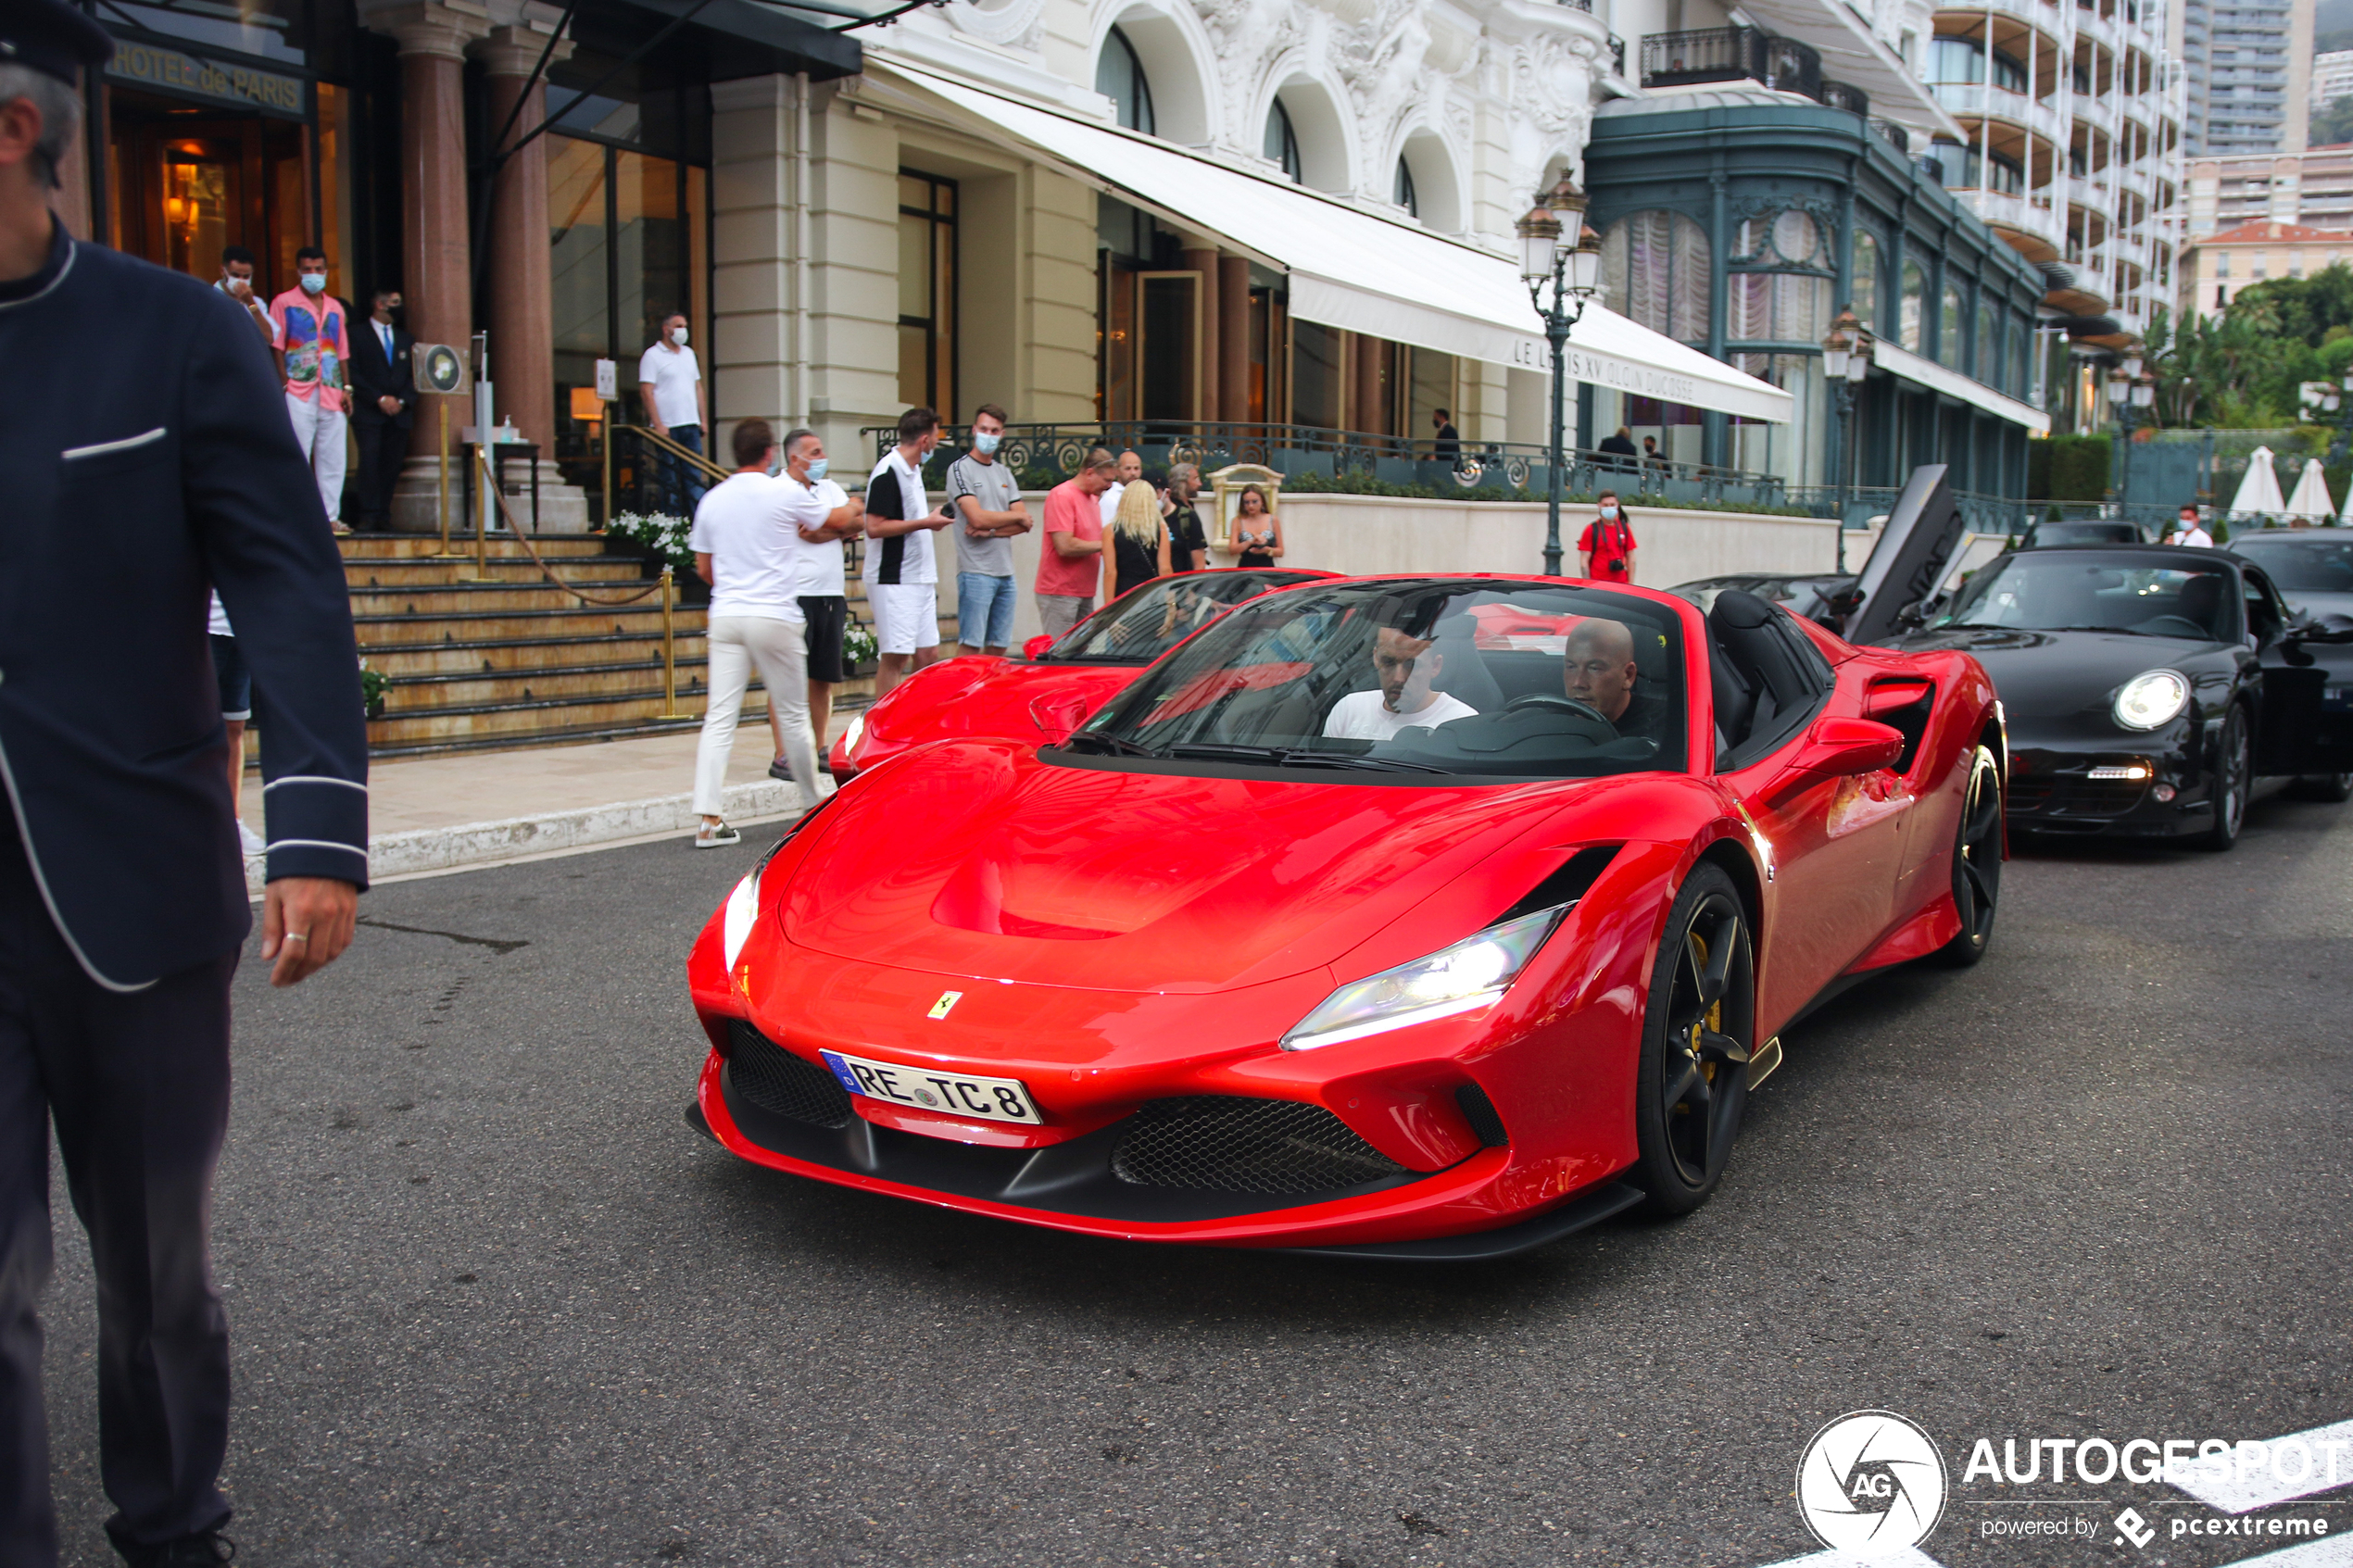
column 1872, row 1483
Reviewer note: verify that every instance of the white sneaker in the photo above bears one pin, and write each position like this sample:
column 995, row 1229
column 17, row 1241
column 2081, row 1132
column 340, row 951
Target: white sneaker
column 250, row 839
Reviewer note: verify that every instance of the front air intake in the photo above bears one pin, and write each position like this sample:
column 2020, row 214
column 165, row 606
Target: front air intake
column 771, row 1077
column 1226, row 1143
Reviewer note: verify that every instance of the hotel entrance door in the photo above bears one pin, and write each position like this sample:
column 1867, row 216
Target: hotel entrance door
column 185, row 182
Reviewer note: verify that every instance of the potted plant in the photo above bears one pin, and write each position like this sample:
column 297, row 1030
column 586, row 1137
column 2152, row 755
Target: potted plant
column 859, row 651
column 659, row 539
column 373, row 684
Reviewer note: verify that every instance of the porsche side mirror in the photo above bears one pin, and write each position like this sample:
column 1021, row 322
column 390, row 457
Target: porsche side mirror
column 2323, row 629
column 1839, row 746
column 1035, row 649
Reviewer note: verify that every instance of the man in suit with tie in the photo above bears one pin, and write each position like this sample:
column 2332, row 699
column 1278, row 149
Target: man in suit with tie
column 383, row 406
column 167, row 463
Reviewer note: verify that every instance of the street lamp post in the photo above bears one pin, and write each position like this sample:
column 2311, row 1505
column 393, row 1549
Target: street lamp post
column 1846, row 359
column 1555, row 246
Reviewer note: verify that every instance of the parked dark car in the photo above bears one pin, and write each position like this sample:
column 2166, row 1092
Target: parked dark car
column 2147, row 689
column 1817, row 598
column 2086, row 531
column 2312, row 568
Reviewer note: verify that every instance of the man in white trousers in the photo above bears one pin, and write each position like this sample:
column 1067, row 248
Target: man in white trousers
column 746, row 549
column 313, row 347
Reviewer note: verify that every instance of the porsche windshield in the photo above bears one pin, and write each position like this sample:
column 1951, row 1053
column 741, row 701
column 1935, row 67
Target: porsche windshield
column 1442, row 677
column 1153, row 618
column 2093, row 591
column 2301, row 565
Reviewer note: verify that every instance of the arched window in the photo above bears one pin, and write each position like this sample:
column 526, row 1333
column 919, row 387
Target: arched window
column 1282, row 142
column 1915, row 292
column 1988, row 368
column 1119, row 76
column 2022, row 372
column 1863, row 285
column 1779, row 288
column 1656, row 270
column 1405, row 196
column 1953, row 328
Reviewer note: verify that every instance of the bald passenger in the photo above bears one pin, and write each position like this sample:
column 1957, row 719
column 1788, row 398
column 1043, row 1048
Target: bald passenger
column 1130, row 471
column 1598, row 670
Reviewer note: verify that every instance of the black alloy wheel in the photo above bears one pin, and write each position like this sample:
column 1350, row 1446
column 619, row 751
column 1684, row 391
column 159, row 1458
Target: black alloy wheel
column 1977, row 863
column 1697, row 1034
column 2233, row 779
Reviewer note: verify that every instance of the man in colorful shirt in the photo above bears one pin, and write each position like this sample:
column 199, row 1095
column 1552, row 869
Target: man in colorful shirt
column 312, row 350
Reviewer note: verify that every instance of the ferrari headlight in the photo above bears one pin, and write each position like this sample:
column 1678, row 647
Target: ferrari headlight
column 743, row 908
column 1471, row 973
column 2152, row 698
column 851, row 736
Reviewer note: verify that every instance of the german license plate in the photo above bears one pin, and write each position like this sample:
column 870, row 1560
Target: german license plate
column 950, row 1094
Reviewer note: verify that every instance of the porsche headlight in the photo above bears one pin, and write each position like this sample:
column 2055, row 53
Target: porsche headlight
column 2154, row 697
column 1471, row 973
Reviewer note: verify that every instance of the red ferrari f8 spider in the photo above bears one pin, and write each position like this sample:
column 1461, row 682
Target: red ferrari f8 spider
column 1427, row 918
column 1044, row 697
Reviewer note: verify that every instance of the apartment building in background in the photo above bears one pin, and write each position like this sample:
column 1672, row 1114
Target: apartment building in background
column 2313, row 188
column 2216, row 268
column 2248, row 64
column 2331, row 78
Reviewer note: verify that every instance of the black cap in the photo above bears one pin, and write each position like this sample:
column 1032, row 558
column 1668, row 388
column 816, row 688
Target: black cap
column 51, row 37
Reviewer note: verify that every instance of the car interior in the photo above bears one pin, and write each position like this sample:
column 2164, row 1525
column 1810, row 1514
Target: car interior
column 1766, row 676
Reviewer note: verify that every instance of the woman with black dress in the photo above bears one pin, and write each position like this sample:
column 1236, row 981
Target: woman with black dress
column 1138, row 538
column 1258, row 534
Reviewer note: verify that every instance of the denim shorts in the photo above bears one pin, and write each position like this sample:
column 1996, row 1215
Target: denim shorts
column 236, row 685
column 984, row 610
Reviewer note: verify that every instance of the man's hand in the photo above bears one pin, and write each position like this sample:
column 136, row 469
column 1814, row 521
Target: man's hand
column 390, row 405
column 306, row 924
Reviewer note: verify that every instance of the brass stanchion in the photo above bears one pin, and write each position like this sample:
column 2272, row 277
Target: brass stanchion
column 668, row 655
column 443, row 404
column 482, row 515
column 605, row 440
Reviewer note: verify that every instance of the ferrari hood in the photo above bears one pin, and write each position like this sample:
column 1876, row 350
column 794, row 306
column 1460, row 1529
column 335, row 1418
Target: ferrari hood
column 979, row 858
column 2049, row 675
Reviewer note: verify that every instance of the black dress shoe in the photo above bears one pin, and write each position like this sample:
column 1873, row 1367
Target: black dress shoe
column 205, row 1549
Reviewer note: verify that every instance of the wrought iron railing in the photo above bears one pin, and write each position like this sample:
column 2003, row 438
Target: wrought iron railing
column 1314, row 457
column 1893, row 135
column 1731, row 54
column 1843, row 95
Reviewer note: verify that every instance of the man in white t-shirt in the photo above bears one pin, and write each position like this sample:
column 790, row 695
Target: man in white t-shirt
column 748, row 553
column 2190, row 532
column 1130, row 470
column 821, row 515
column 670, row 384
column 901, row 570
column 1406, row 665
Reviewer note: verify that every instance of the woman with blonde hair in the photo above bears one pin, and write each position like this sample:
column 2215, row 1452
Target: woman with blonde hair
column 1258, row 532
column 1138, row 541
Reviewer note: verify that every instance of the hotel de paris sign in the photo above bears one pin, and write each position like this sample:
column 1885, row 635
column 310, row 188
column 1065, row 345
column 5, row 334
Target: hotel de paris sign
column 239, row 86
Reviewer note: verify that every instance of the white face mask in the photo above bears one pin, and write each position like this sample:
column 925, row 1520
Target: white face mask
column 314, row 282
column 816, row 469
column 678, row 337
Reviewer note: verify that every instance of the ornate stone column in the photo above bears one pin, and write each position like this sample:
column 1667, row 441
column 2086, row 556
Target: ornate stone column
column 520, row 292
column 436, row 256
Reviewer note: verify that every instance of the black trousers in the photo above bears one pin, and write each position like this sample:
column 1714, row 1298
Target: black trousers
column 138, row 1086
column 384, row 446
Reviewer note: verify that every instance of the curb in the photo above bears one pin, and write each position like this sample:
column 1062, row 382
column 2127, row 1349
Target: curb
column 432, row 849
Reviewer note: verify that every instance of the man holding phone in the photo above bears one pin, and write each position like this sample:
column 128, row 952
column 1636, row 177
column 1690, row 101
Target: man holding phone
column 903, row 569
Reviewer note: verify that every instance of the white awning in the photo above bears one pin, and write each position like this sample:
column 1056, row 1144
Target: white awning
column 1907, row 366
column 1851, row 53
column 1356, row 269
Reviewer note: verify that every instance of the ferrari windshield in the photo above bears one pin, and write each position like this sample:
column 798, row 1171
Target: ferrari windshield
column 2096, row 590
column 1148, row 621
column 2299, row 563
column 1442, row 677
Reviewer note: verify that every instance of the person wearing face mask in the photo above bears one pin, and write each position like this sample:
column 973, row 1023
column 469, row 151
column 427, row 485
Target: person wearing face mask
column 236, row 281
column 821, row 517
column 1608, row 543
column 670, row 386
column 383, row 406
column 901, row 570
column 313, row 351
column 986, row 495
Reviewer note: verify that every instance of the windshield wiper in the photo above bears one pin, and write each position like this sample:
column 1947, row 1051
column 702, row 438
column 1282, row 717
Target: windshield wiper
column 1212, row 748
column 1343, row 759
column 1092, row 740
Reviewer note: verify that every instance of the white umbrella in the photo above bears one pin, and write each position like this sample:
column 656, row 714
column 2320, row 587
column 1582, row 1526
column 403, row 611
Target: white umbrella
column 2311, row 497
column 2260, row 491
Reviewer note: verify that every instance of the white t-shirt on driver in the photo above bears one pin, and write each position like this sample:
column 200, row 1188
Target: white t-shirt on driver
column 755, row 555
column 1363, row 716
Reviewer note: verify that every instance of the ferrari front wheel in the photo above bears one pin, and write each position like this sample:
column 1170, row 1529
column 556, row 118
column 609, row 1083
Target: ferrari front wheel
column 1697, row 1034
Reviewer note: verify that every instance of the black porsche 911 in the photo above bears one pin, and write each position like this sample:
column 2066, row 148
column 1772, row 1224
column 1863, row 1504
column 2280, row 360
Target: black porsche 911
column 2149, row 689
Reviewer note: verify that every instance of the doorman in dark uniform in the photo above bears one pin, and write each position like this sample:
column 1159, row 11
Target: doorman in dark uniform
column 383, row 403
column 162, row 465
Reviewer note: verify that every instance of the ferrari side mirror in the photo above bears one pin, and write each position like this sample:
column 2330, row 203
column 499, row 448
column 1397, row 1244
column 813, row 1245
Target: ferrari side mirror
column 1840, row 746
column 1037, row 647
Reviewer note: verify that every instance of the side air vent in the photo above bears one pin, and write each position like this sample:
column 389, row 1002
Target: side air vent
column 776, row 1081
column 1230, row 1142
column 1571, row 882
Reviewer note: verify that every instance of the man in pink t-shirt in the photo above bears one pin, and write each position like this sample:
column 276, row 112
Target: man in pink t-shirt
column 308, row 326
column 1071, row 563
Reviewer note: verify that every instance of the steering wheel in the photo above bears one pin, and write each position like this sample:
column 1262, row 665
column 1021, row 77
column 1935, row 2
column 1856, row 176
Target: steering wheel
column 1561, row 704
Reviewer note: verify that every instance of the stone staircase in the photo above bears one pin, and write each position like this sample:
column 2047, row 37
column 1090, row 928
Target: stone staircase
column 516, row 660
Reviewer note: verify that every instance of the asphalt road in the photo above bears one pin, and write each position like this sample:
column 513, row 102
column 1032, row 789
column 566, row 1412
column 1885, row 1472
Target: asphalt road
column 493, row 1302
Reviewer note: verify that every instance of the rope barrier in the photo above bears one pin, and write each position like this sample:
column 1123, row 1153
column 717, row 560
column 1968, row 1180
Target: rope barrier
column 515, row 528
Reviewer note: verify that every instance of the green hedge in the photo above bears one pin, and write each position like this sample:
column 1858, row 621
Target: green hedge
column 2068, row 467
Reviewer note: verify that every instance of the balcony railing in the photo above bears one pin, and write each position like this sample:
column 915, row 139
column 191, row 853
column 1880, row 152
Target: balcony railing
column 1730, row 54
column 1840, row 95
column 1042, row 456
column 1893, row 135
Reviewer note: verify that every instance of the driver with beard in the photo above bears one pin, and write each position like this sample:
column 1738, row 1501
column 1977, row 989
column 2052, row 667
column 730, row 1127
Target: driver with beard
column 1598, row 670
